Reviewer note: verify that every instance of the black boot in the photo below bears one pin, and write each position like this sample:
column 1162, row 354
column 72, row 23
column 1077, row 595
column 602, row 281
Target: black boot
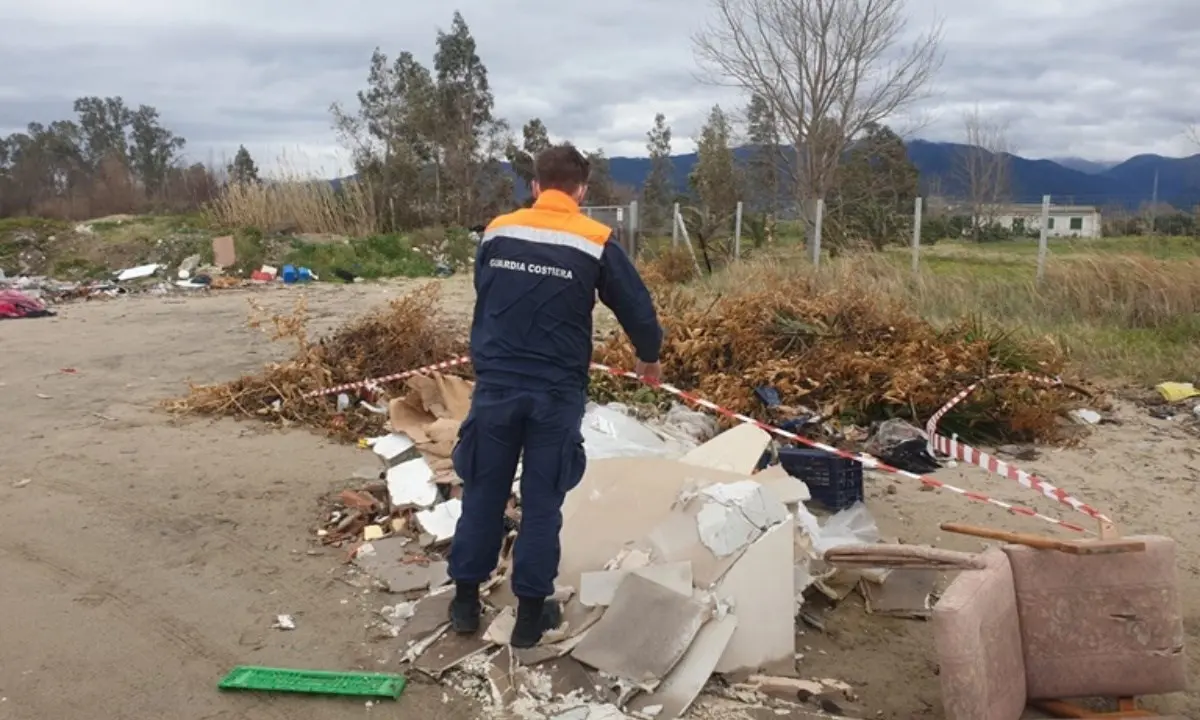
column 535, row 616
column 465, row 610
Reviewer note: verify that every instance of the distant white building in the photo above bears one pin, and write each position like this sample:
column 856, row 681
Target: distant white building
column 1082, row 221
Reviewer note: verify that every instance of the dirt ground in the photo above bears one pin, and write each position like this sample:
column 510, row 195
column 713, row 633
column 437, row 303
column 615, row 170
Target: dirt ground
column 146, row 556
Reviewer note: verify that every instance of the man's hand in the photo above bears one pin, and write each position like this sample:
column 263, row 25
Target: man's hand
column 648, row 371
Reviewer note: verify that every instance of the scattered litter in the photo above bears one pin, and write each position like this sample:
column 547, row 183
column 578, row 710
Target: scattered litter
column 903, row 593
column 1176, row 391
column 902, row 445
column 1086, row 417
column 284, row 622
column 22, row 483
column 135, row 273
column 318, row 682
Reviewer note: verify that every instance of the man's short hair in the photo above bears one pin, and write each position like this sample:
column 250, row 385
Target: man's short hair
column 562, row 167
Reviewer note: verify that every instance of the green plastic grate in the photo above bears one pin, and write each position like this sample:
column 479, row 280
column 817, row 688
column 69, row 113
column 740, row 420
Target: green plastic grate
column 320, row 682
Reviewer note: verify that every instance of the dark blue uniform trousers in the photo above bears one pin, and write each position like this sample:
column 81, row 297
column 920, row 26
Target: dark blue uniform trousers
column 503, row 423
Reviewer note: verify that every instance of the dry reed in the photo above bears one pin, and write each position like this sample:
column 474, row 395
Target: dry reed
column 297, row 205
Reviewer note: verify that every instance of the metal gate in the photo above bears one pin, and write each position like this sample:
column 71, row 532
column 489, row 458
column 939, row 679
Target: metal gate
column 623, row 219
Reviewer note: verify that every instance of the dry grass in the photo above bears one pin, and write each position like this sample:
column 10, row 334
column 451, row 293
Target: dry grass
column 1127, row 317
column 296, row 205
column 840, row 345
column 406, row 333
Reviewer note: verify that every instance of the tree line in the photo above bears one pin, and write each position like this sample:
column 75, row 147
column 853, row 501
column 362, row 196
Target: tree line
column 430, row 149
column 111, row 158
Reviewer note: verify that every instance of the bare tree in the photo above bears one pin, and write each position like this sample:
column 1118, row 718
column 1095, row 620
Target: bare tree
column 984, row 168
column 1193, row 134
column 828, row 70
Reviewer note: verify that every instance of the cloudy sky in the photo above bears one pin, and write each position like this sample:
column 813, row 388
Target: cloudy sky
column 1101, row 79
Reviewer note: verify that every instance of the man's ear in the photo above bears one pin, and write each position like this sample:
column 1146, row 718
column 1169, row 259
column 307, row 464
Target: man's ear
column 581, row 193
column 535, row 188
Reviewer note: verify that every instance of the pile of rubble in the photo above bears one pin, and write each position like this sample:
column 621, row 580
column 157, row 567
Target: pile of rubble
column 694, row 588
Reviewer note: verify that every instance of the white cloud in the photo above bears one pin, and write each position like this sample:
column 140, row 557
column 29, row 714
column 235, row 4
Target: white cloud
column 1104, row 79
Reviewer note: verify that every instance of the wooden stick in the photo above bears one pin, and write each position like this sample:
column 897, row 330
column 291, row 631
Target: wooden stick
column 1042, row 542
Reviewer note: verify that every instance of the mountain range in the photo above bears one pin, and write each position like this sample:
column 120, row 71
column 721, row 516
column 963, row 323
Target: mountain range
column 1067, row 180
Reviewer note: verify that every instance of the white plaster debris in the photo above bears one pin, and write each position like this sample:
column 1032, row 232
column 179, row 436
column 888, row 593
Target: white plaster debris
column 284, row 622
column 389, row 447
column 736, row 515
column 441, row 521
column 410, row 484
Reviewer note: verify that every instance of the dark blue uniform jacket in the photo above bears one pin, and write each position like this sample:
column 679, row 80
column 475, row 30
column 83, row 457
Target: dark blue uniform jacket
column 538, row 272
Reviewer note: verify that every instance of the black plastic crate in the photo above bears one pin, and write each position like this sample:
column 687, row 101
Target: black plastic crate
column 835, row 482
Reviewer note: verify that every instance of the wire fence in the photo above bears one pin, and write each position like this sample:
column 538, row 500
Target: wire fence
column 1051, row 219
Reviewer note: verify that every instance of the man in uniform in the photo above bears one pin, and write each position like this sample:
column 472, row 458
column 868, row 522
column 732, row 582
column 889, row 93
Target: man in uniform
column 538, row 272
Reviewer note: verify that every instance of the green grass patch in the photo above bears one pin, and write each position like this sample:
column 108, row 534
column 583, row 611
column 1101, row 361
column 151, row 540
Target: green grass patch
column 378, row 256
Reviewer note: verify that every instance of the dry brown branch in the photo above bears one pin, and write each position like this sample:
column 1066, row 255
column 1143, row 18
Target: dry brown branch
column 407, row 332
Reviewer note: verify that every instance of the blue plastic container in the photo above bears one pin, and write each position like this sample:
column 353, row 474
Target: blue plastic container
column 835, row 482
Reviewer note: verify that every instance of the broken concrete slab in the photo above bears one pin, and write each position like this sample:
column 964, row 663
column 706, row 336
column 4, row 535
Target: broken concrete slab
column 685, row 681
column 451, row 650
column 546, row 652
column 430, row 613
column 644, row 633
column 390, row 561
column 599, row 519
column 738, row 450
column 596, row 589
column 757, row 589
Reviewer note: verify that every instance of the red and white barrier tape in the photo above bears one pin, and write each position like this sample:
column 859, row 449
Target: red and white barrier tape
column 861, row 458
column 962, row 452
column 388, row 378
column 931, row 426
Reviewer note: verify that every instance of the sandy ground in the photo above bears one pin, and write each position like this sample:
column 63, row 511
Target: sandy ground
column 145, row 556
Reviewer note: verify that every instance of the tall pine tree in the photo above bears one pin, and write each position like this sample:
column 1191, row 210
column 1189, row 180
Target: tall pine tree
column 763, row 169
column 243, row 171
column 714, row 177
column 465, row 104
column 658, row 192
